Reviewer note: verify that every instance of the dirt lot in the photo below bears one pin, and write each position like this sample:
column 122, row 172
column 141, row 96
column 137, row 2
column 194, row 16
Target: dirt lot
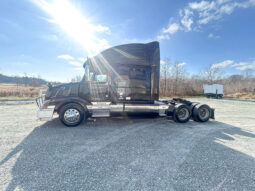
column 129, row 154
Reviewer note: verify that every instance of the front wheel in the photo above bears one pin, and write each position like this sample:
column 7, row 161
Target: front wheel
column 71, row 114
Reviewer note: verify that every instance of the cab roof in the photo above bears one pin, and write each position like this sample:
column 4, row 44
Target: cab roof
column 129, row 54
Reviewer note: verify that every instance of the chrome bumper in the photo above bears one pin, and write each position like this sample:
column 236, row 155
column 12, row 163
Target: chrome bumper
column 43, row 113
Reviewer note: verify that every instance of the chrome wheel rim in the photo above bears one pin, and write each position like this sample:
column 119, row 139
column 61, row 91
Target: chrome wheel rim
column 72, row 115
column 203, row 113
column 183, row 113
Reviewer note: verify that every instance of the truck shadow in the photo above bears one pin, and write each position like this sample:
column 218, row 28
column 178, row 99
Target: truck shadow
column 98, row 156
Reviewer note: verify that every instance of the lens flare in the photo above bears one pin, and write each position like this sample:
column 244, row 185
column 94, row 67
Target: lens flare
column 71, row 21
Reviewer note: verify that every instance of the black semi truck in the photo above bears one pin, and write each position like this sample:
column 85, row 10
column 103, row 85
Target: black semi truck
column 121, row 80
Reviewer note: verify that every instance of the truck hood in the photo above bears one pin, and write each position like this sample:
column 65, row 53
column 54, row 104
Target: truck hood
column 62, row 90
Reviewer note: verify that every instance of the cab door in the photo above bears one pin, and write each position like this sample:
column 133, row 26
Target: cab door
column 99, row 88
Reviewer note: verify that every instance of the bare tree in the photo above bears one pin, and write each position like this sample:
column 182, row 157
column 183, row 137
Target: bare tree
column 213, row 74
column 17, row 81
column 77, row 78
column 25, row 79
column 178, row 75
column 165, row 67
column 248, row 73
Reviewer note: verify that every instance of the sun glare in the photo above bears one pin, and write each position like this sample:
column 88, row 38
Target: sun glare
column 70, row 20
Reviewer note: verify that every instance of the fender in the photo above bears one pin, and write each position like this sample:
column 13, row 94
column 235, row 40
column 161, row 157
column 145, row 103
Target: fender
column 59, row 102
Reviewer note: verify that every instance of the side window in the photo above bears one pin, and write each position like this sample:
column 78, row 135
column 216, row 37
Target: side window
column 100, row 78
column 138, row 73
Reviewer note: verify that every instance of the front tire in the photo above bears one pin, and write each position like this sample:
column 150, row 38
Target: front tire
column 71, row 114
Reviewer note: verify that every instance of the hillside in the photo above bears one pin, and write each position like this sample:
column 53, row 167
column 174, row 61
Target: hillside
column 27, row 81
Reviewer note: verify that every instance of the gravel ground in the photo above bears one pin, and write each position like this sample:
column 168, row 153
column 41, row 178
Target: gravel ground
column 129, row 154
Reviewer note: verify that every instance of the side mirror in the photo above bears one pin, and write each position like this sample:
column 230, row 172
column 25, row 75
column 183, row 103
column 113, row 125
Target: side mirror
column 49, row 85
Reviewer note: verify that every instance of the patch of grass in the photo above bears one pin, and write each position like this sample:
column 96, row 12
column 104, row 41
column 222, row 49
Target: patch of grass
column 241, row 95
column 188, row 96
column 13, row 91
column 16, row 98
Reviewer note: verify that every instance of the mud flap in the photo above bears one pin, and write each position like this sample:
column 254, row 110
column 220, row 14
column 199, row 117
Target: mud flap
column 212, row 113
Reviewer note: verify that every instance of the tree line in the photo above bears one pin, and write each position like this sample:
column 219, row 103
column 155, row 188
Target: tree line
column 24, row 80
column 176, row 81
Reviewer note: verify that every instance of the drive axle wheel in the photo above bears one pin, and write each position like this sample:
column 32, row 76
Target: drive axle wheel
column 181, row 113
column 71, row 114
column 201, row 113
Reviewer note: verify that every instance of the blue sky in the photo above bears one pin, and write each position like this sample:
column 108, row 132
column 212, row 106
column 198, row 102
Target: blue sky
column 53, row 38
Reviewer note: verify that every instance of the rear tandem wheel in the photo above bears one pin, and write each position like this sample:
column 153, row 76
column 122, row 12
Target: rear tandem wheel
column 201, row 113
column 181, row 113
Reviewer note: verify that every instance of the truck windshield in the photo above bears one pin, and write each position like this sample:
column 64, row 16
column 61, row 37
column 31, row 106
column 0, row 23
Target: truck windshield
column 86, row 75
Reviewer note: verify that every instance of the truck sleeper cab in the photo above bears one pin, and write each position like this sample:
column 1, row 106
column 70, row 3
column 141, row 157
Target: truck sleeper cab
column 119, row 81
